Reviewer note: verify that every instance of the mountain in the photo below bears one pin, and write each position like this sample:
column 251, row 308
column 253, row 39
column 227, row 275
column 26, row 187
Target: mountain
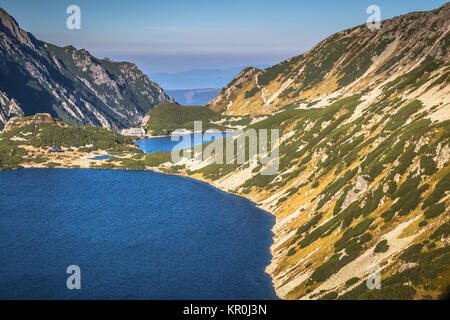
column 193, row 97
column 353, row 61
column 364, row 170
column 363, row 181
column 69, row 83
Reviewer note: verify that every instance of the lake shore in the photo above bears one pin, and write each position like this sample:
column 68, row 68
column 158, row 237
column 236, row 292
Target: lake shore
column 70, row 158
column 85, row 161
column 186, row 132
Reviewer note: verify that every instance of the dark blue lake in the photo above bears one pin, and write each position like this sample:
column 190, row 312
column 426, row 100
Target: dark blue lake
column 135, row 235
column 165, row 144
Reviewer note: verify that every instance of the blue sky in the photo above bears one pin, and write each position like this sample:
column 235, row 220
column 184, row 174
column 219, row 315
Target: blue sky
column 180, row 35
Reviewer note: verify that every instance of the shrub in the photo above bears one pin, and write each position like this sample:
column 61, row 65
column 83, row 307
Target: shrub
column 167, row 117
column 423, row 224
column 397, row 292
column 252, row 92
column 305, row 228
column 411, row 254
column 291, row 252
column 352, row 281
column 330, row 296
column 442, row 231
column 439, row 191
column 435, row 210
column 333, row 265
column 428, row 164
column 382, row 246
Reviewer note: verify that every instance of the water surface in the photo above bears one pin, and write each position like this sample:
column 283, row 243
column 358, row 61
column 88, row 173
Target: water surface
column 135, row 235
column 165, row 144
column 103, row 157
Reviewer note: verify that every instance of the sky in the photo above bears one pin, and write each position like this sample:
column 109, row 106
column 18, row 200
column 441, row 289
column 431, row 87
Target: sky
column 181, row 35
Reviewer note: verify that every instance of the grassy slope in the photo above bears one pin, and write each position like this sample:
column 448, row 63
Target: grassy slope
column 167, row 117
column 344, row 60
column 397, row 151
column 43, row 132
column 392, row 146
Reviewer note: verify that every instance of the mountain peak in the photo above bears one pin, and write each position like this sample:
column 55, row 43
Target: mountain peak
column 9, row 24
column 355, row 60
column 107, row 94
column 5, row 16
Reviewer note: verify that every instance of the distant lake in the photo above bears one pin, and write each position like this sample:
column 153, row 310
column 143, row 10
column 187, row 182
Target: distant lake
column 102, row 157
column 134, row 234
column 165, row 144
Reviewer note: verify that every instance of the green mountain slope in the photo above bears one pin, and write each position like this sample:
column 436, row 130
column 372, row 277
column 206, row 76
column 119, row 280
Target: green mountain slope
column 168, row 117
column 364, row 161
column 353, row 61
column 43, row 141
column 364, row 173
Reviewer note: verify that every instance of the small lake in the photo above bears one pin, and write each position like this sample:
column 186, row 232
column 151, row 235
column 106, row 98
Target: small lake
column 102, row 157
column 165, row 144
column 134, row 235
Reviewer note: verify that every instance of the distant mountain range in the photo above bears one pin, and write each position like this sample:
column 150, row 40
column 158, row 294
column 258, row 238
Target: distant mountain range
column 193, row 97
column 71, row 84
column 194, row 79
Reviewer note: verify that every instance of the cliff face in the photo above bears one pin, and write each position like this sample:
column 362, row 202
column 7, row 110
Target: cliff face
column 70, row 83
column 350, row 62
column 8, row 109
column 364, row 174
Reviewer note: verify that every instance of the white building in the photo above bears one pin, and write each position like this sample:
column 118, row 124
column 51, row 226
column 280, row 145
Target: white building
column 136, row 132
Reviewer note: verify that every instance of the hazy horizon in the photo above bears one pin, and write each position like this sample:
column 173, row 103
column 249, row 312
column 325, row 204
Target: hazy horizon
column 179, row 36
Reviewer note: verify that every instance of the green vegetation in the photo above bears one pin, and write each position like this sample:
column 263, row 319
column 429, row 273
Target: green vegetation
column 43, row 132
column 334, row 264
column 442, row 231
column 428, row 164
column 414, row 78
column 329, row 296
column 439, row 191
column 357, row 64
column 168, row 117
column 252, row 92
column 435, row 210
column 429, row 265
column 381, row 247
column 352, row 281
column 273, row 72
column 10, row 156
column 291, row 252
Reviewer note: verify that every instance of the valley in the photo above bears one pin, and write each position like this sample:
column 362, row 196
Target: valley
column 364, row 173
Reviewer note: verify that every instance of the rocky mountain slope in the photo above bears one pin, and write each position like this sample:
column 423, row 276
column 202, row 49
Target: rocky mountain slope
column 354, row 61
column 69, row 83
column 364, row 177
column 364, row 168
column 8, row 109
